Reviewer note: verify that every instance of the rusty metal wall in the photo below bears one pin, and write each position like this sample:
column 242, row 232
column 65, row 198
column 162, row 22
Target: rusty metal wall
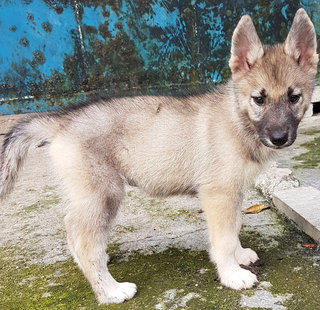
column 57, row 52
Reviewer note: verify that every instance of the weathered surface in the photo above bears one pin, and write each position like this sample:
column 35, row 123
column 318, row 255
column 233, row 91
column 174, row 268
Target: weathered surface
column 58, row 52
column 275, row 179
column 303, row 157
column 293, row 182
column 302, row 206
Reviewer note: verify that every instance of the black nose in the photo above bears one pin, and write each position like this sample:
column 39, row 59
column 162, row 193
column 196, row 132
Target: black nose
column 279, row 138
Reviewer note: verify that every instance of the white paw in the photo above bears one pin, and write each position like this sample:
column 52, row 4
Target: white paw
column 118, row 293
column 245, row 256
column 238, row 278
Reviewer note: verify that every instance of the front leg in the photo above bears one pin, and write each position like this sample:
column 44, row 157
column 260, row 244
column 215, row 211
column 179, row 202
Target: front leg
column 222, row 212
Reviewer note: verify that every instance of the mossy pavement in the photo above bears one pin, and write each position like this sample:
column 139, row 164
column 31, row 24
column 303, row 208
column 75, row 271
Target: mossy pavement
column 304, row 157
column 160, row 244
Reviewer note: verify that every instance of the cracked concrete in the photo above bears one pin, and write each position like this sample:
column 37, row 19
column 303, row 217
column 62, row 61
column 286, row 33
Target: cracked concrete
column 264, row 299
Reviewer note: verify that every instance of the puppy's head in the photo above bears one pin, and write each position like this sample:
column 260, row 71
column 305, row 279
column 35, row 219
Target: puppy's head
column 274, row 84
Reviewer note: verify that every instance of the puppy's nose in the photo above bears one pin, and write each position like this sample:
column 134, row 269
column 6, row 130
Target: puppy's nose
column 278, row 137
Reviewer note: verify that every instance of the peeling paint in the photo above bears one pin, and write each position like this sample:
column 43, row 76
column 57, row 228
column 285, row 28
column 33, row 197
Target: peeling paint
column 53, row 49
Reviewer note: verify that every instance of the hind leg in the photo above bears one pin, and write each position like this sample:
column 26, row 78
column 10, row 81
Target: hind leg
column 87, row 228
column 94, row 194
column 87, row 223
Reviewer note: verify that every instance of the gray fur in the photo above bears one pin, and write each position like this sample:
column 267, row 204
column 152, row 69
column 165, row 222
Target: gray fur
column 212, row 144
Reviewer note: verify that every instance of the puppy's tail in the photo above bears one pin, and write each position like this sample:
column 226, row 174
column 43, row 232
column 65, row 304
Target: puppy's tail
column 33, row 131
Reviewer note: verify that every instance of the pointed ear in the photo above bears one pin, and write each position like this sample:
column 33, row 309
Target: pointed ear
column 246, row 48
column 301, row 42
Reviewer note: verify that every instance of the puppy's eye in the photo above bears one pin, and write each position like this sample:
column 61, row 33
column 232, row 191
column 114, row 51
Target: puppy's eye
column 258, row 100
column 294, row 98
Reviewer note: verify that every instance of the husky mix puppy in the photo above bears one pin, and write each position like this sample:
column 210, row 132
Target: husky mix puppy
column 212, row 144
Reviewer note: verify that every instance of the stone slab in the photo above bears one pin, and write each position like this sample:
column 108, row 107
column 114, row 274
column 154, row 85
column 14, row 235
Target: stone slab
column 302, row 206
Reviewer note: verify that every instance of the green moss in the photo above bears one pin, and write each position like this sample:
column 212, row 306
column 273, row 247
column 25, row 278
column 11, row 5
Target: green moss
column 49, row 188
column 57, row 286
column 311, row 158
column 290, row 268
column 62, row 285
column 44, row 203
column 47, row 199
column 301, row 281
column 312, row 132
column 113, row 248
column 157, row 207
column 124, row 229
column 189, row 215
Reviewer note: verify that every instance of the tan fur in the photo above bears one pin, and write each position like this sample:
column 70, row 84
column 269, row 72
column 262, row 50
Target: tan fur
column 212, row 144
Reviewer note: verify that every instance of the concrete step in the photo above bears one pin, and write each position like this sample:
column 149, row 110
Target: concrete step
column 302, row 206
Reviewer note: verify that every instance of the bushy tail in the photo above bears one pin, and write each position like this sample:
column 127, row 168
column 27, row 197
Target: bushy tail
column 33, row 131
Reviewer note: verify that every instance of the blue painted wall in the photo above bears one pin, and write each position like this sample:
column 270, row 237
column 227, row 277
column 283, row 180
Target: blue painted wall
column 58, row 52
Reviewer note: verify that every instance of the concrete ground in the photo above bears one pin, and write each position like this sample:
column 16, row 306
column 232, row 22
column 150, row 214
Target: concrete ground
column 160, row 244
